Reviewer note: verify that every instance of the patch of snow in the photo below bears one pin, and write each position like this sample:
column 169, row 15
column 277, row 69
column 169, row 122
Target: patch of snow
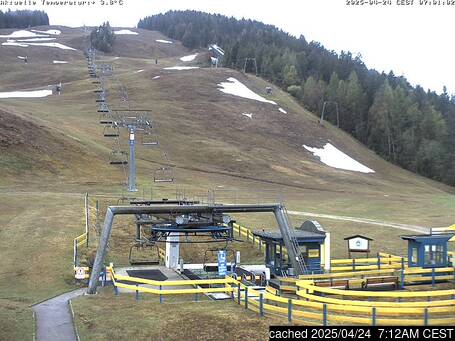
column 57, row 45
column 236, row 88
column 59, row 62
column 23, row 44
column 249, row 115
column 334, row 157
column 181, row 67
column 35, row 39
column 13, row 43
column 156, row 77
column 164, row 41
column 22, row 34
column 188, row 58
column 26, row 94
column 126, row 32
column 139, row 71
column 282, row 110
column 51, row 32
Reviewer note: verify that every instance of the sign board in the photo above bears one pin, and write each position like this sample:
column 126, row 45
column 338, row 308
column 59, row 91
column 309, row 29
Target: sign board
column 79, row 272
column 358, row 244
column 222, row 266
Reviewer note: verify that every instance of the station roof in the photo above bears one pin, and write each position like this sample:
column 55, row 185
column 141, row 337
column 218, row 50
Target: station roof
column 422, row 237
column 299, row 234
column 357, row 236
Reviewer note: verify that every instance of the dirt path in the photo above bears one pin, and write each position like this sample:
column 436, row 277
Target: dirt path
column 414, row 228
column 54, row 320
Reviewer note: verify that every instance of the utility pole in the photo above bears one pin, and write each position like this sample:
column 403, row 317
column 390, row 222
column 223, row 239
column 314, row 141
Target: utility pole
column 132, row 173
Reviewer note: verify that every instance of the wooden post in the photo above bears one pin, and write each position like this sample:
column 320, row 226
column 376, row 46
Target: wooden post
column 161, row 296
column 246, row 297
column 137, row 292
column 425, row 317
column 238, row 293
column 87, row 222
column 373, row 317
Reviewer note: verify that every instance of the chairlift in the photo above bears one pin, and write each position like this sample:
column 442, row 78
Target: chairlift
column 118, row 157
column 142, row 256
column 111, row 130
column 164, row 174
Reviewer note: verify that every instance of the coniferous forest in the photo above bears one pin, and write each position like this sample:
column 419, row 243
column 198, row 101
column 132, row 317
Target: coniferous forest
column 406, row 125
column 103, row 37
column 23, row 19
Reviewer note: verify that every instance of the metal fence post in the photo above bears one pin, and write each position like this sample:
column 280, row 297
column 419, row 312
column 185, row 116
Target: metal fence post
column 137, row 292
column 238, row 294
column 246, row 297
column 373, row 317
column 261, row 304
column 290, row 310
column 402, row 273
column 353, row 264
column 379, row 261
column 433, row 273
column 324, row 315
column 161, row 296
column 425, row 317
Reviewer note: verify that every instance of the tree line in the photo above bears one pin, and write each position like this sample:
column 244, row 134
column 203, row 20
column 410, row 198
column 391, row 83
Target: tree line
column 103, row 37
column 23, row 19
column 406, row 125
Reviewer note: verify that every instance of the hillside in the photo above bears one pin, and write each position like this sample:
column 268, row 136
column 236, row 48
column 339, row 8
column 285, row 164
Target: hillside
column 53, row 151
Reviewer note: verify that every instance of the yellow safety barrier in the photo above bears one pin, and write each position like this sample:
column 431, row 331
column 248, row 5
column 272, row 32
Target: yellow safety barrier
column 180, row 283
column 313, row 308
column 331, row 312
column 310, row 288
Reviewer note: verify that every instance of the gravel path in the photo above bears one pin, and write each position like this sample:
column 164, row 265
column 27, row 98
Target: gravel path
column 54, row 320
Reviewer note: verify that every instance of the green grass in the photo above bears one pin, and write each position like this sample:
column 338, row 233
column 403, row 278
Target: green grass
column 204, row 134
column 105, row 317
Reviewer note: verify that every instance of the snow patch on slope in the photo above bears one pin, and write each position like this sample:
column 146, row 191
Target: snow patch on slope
column 51, row 32
column 236, row 88
column 126, row 32
column 22, row 34
column 164, row 41
column 335, row 158
column 188, row 58
column 181, row 67
column 26, row 94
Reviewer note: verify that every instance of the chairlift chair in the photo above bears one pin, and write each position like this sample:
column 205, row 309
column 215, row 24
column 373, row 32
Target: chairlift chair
column 111, row 130
column 164, row 174
column 149, row 139
column 118, row 157
column 149, row 259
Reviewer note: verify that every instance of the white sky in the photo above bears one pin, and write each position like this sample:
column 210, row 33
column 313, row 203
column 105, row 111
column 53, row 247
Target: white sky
column 414, row 41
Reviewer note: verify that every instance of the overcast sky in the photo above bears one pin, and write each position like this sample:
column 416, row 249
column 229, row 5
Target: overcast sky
column 415, row 41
